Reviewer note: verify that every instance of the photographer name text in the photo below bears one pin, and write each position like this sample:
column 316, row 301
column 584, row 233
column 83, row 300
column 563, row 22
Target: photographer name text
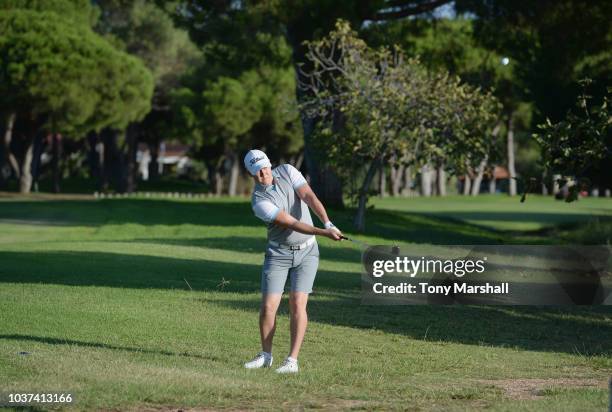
column 455, row 288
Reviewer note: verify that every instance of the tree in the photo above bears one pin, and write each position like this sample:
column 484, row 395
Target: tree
column 61, row 77
column 144, row 30
column 229, row 115
column 231, row 108
column 580, row 146
column 78, row 12
column 240, row 96
column 297, row 21
column 462, row 118
column 530, row 34
column 376, row 104
column 451, row 45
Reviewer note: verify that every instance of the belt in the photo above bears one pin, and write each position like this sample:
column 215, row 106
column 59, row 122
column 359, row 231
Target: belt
column 293, row 247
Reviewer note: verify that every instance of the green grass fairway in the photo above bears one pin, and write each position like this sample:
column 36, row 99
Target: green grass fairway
column 96, row 291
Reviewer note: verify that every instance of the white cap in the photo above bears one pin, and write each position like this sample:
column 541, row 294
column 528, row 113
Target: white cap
column 255, row 160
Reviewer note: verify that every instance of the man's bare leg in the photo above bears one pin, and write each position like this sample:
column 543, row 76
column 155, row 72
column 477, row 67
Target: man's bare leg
column 299, row 320
column 267, row 319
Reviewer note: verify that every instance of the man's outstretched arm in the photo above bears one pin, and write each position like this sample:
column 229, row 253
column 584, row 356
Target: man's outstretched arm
column 284, row 219
column 310, row 198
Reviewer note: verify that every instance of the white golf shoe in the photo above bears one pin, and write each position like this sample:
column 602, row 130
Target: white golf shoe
column 288, row 366
column 262, row 360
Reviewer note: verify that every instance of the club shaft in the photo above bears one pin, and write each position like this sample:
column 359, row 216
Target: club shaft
column 362, row 244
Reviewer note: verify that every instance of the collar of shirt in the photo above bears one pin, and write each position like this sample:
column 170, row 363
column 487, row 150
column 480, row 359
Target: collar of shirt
column 266, row 188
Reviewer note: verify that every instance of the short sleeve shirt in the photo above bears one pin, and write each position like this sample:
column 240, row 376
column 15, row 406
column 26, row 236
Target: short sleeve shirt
column 268, row 201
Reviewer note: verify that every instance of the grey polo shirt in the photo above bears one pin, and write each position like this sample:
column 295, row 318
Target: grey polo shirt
column 268, row 201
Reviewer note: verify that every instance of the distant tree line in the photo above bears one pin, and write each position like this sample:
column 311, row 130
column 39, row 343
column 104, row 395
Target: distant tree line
column 477, row 78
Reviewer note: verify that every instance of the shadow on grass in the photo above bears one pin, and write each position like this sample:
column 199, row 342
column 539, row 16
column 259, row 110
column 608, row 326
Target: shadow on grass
column 574, row 330
column 393, row 226
column 396, row 225
column 136, row 211
column 342, row 252
column 58, row 341
column 414, row 227
column 336, row 301
column 126, row 271
column 542, row 218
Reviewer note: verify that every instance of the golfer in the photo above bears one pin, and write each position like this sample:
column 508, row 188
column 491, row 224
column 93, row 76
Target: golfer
column 281, row 198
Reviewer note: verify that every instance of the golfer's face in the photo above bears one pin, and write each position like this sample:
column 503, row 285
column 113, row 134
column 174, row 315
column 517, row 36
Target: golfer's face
column 264, row 176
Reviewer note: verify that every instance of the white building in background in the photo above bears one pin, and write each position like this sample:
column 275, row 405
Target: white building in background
column 171, row 158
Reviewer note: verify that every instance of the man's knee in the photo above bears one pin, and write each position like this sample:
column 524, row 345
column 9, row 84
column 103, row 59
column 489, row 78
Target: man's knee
column 297, row 303
column 268, row 309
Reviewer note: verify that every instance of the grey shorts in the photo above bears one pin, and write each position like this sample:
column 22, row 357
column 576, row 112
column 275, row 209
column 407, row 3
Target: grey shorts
column 301, row 265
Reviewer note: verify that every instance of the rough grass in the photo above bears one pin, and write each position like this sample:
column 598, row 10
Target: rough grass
column 96, row 292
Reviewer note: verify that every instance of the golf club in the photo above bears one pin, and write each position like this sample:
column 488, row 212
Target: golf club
column 358, row 242
column 395, row 250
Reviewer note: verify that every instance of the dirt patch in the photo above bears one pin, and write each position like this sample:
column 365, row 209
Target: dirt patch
column 326, row 404
column 151, row 408
column 523, row 389
column 330, row 404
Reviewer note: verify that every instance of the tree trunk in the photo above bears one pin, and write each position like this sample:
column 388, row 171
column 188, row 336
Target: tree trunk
column 161, row 154
column 218, row 182
column 397, row 173
column 441, row 180
column 475, row 190
column 479, row 174
column 93, row 158
column 113, row 166
column 92, row 154
column 212, row 184
column 56, row 148
column 544, row 186
column 215, row 173
column 25, row 180
column 100, row 156
column 467, row 184
column 511, row 168
column 107, row 159
column 6, row 168
column 39, row 144
column 154, row 164
column 324, row 182
column 299, row 160
column 556, row 187
column 407, row 189
column 131, row 168
column 492, row 182
column 426, row 178
column 9, row 158
column 234, row 172
column 331, row 188
column 382, row 185
column 363, row 195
